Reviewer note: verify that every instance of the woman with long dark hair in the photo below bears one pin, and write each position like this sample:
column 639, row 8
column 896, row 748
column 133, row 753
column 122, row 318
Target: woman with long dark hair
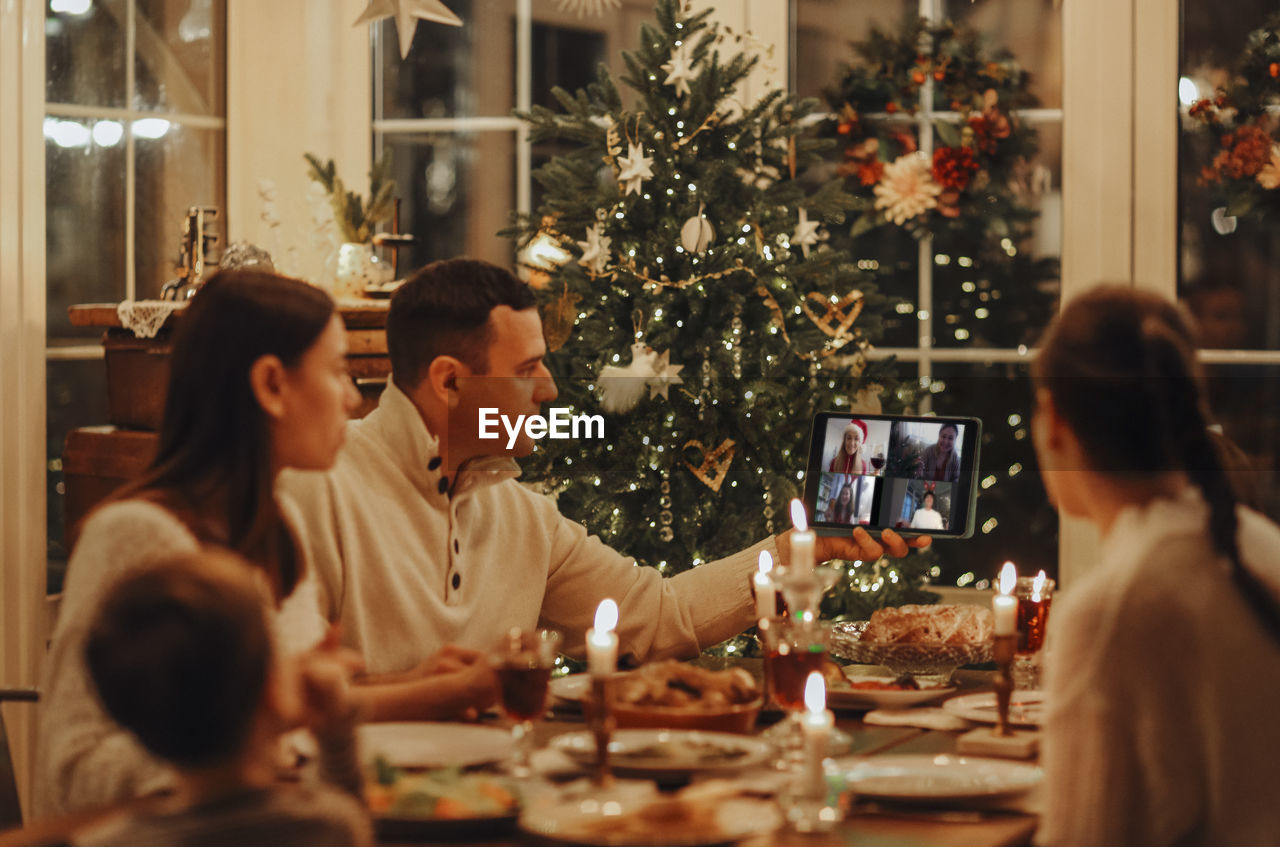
column 1165, row 659
column 258, row 383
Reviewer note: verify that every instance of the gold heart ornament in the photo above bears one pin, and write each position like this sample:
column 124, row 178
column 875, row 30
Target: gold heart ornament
column 715, row 463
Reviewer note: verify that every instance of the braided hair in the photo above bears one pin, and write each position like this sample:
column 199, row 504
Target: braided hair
column 1131, row 355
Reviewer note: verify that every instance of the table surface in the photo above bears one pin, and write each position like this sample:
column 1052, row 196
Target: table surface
column 865, row 827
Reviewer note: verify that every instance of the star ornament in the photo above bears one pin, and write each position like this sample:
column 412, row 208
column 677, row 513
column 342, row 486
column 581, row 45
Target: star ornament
column 679, row 69
column 595, row 250
column 636, row 167
column 407, row 14
column 664, row 375
column 806, row 234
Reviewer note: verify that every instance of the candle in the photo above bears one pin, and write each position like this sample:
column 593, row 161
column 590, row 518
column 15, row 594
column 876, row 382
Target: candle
column 802, row 539
column 816, row 722
column 766, row 594
column 602, row 642
column 1004, row 605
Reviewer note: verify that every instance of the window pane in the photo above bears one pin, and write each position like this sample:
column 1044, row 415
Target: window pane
column 1032, row 29
column 1245, row 399
column 457, row 191
column 451, row 71
column 565, row 57
column 76, row 395
column 84, row 53
column 1229, row 265
column 84, row 218
column 1014, row 520
column 180, row 60
column 824, row 29
column 179, row 168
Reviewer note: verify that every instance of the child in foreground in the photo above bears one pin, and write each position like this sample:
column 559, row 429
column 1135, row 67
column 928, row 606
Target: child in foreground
column 181, row 656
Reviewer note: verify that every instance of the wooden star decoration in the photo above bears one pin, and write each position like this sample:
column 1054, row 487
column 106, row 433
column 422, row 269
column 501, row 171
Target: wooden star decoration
column 595, row 250
column 679, row 69
column 407, row 13
column 664, row 375
column 806, row 234
column 636, row 167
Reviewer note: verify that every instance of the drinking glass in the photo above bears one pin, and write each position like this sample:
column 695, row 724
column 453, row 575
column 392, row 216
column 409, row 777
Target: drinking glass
column 877, row 460
column 794, row 647
column 523, row 661
column 1033, row 620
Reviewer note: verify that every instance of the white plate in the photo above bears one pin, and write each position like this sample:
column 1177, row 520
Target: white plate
column 574, row 688
column 921, row 777
column 435, row 745
column 864, row 698
column 666, row 753
column 1026, row 708
column 579, row 821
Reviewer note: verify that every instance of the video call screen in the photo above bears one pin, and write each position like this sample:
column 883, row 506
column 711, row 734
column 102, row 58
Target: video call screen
column 900, row 473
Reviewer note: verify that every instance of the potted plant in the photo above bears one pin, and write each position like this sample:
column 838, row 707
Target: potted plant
column 358, row 267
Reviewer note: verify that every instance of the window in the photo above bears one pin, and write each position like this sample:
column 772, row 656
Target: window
column 135, row 133
column 964, row 337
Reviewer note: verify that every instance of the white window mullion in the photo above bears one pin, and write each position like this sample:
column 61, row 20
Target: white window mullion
column 130, row 155
column 524, row 101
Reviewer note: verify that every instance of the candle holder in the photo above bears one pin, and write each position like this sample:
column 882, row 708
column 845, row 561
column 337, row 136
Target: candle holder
column 599, row 715
column 1003, row 653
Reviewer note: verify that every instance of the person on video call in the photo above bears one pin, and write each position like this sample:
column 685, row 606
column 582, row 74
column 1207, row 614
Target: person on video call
column 941, row 461
column 841, row 508
column 926, row 517
column 850, row 457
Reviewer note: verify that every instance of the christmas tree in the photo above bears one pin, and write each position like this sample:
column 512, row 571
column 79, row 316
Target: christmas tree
column 687, row 291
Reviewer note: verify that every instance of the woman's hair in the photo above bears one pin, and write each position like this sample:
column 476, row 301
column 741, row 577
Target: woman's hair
column 179, row 653
column 215, row 447
column 1121, row 368
column 948, row 426
column 842, row 455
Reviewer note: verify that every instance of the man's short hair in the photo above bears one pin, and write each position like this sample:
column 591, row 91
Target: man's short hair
column 443, row 310
column 180, row 654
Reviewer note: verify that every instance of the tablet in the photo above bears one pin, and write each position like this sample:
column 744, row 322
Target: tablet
column 914, row 475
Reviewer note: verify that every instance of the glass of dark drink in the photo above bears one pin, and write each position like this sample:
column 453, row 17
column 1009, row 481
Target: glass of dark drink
column 523, row 661
column 1035, row 596
column 877, row 459
column 794, row 647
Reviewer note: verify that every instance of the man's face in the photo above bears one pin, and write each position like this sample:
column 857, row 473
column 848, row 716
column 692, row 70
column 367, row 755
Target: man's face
column 516, row 382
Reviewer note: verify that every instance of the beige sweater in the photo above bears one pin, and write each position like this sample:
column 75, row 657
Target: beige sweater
column 407, row 567
column 1164, row 691
column 85, row 759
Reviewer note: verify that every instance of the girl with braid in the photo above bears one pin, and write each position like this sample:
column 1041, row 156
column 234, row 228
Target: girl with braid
column 1161, row 722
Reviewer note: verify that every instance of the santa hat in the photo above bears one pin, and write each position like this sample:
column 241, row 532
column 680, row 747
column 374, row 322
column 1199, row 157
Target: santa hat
column 860, row 425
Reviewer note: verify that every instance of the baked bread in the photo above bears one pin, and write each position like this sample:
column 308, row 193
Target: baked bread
column 680, row 685
column 940, row 624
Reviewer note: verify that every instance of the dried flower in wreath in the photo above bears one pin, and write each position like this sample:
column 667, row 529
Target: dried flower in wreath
column 356, row 219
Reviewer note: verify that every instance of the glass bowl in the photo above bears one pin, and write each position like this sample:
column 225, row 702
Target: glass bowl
column 932, row 663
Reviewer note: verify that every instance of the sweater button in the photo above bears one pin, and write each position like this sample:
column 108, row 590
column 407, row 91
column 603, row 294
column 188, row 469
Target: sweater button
column 457, row 581
column 434, row 463
column 455, row 545
column 444, row 484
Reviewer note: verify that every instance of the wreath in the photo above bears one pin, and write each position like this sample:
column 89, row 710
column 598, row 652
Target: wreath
column 1245, row 168
column 980, row 167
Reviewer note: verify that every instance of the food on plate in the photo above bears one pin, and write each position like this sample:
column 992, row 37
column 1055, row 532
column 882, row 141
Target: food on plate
column 441, row 794
column 685, row 751
column 942, row 624
column 691, row 810
column 905, row 682
column 678, row 685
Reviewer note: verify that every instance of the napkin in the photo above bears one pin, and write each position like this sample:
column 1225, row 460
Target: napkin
column 926, row 718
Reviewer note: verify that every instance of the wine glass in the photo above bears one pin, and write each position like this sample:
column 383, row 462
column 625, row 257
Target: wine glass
column 794, row 647
column 523, row 661
column 1033, row 619
column 877, row 459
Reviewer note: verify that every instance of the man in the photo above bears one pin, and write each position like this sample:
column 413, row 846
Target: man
column 421, row 537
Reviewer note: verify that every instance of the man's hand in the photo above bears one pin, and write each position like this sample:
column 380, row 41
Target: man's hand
column 323, row 674
column 857, row 545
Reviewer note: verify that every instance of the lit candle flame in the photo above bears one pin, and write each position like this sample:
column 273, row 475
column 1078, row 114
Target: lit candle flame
column 1037, row 585
column 766, row 562
column 815, row 694
column 1008, row 578
column 606, row 615
column 797, row 516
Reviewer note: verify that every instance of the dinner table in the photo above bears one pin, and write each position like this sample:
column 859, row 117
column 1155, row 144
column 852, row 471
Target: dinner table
column 866, row 824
